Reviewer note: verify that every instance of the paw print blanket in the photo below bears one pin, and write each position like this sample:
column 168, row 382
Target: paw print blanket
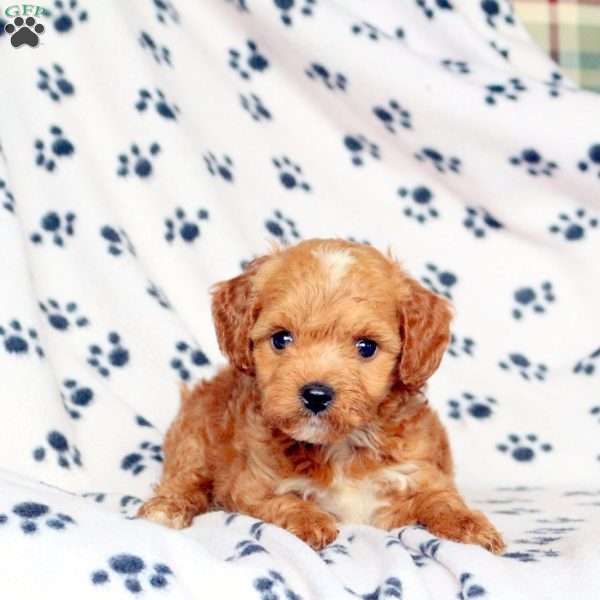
column 151, row 148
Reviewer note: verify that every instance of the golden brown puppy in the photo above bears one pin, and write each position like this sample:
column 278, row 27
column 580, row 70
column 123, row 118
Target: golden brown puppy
column 320, row 418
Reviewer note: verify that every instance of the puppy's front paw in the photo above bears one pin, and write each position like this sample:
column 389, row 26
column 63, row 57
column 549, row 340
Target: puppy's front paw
column 315, row 527
column 170, row 512
column 468, row 527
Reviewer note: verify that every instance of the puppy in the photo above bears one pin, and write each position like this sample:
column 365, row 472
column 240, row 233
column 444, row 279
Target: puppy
column 320, row 418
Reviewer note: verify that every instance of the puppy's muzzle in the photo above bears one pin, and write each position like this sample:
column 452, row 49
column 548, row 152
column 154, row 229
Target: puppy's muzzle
column 317, row 396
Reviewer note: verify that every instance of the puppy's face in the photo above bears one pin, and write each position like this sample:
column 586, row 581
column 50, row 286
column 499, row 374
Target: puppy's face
column 327, row 335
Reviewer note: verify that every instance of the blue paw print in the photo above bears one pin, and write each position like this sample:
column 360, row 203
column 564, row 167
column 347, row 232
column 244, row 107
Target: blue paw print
column 219, row 168
column 507, row 91
column 456, row 66
column 60, row 147
column 459, row 346
column 493, row 12
column 75, row 397
column 159, row 295
column 528, row 298
column 117, row 241
column 55, row 83
column 438, row 281
column 58, row 228
column 63, row 318
column 183, row 226
column 503, row 52
column 115, row 356
column 479, row 221
column 282, row 228
column 522, row 365
column 478, row 408
column 393, row 116
column 255, row 107
column 360, row 148
column 289, row 8
column 16, row 339
column 333, row 551
column 290, row 174
column 161, row 54
column 241, row 5
column 523, row 448
column 129, row 505
column 246, row 548
column 135, row 462
column 587, row 365
column 158, row 101
column 595, row 412
column 435, row 6
column 273, row 586
column 421, row 203
column 31, row 514
column 8, row 199
column 438, row 160
column 187, row 360
column 65, row 454
column 255, row 62
column 534, row 163
column 592, row 160
column 391, row 588
column 573, row 227
column 468, row 587
column 165, row 12
column 130, row 568
column 374, row 33
column 332, row 81
column 555, row 84
column 136, row 162
column 67, row 14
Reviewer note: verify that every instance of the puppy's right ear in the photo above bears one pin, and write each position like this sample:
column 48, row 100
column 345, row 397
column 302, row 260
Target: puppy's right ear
column 235, row 309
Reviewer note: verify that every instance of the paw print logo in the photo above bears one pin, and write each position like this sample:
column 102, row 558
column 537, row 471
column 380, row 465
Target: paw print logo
column 527, row 298
column 533, row 162
column 67, row 14
column 282, row 228
column 32, row 514
column 63, row 318
column 159, row 102
column 116, row 355
column 246, row 548
column 468, row 587
column 183, row 226
column 373, row 33
column 58, row 228
column 521, row 364
column 507, row 91
column 273, row 585
column 219, row 168
column 187, row 360
column 479, row 221
column 494, row 13
column 592, row 160
column 332, row 81
column 360, row 148
column 60, row 147
column 503, row 52
column 438, row 160
column 290, row 174
column 117, row 241
column 135, row 462
column 75, row 397
column 130, row 568
column 523, row 448
column 587, row 365
column 573, row 227
column 165, row 12
column 136, row 162
column 65, row 454
column 333, row 551
column 24, row 31
column 54, row 82
column 16, row 339
column 478, row 408
column 460, row 345
column 438, row 281
column 595, row 412
column 159, row 295
column 161, row 54
column 255, row 62
column 456, row 66
column 129, row 505
column 421, row 206
column 556, row 84
column 393, row 116
column 7, row 201
column 255, row 107
column 430, row 8
column 289, row 8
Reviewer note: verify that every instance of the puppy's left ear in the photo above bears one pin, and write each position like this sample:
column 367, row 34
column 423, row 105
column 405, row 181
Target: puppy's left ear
column 235, row 309
column 425, row 330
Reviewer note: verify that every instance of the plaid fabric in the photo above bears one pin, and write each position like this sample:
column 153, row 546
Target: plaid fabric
column 569, row 30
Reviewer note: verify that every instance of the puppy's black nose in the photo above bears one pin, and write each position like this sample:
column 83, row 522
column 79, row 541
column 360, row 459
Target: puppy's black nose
column 316, row 396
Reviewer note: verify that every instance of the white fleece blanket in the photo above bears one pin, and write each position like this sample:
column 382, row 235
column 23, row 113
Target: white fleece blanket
column 150, row 149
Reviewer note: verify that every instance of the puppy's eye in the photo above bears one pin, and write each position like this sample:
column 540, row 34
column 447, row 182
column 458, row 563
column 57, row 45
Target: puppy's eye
column 281, row 339
column 366, row 347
